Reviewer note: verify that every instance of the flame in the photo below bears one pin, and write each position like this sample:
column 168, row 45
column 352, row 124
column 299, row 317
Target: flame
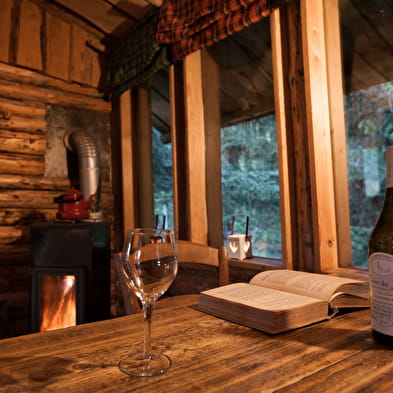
column 58, row 302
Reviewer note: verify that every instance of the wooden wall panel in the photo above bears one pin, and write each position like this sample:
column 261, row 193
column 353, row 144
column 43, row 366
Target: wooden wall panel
column 57, row 56
column 82, row 57
column 29, row 51
column 5, row 29
column 36, row 35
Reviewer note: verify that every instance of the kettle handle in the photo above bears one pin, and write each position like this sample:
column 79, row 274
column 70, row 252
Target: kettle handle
column 60, row 199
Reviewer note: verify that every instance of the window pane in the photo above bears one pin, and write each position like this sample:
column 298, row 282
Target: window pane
column 368, row 68
column 250, row 183
column 162, row 150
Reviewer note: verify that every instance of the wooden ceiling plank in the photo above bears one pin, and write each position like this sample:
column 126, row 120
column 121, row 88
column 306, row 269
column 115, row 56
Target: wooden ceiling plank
column 67, row 16
column 135, row 9
column 363, row 74
column 363, row 38
column 100, row 14
column 379, row 14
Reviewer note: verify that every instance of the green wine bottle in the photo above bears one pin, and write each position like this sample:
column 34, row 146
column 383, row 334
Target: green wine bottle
column 380, row 264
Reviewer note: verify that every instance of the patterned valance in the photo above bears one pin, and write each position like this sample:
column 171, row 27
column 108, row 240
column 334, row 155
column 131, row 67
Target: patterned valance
column 178, row 28
column 188, row 25
column 136, row 56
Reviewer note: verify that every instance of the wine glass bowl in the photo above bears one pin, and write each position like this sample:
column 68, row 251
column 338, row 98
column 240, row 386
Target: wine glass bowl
column 148, row 264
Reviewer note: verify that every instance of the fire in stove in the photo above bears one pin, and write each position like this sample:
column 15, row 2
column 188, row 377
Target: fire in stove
column 70, row 274
column 58, row 302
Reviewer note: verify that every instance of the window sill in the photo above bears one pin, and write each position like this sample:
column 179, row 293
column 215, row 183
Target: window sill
column 261, row 264
column 256, row 263
column 350, row 272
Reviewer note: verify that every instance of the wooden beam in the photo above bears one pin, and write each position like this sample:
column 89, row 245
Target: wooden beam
column 176, row 91
column 31, row 93
column 11, row 73
column 143, row 164
column 195, row 145
column 127, row 155
column 319, row 143
column 211, row 107
column 287, row 191
column 337, row 121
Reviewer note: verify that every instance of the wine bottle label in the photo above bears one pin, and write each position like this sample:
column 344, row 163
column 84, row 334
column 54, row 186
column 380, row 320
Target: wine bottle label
column 389, row 167
column 381, row 291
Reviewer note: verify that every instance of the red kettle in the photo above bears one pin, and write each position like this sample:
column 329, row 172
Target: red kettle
column 72, row 205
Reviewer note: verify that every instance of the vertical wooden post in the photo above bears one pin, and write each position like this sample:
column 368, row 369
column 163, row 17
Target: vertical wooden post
column 287, row 191
column 136, row 157
column 127, row 158
column 295, row 199
column 176, row 92
column 211, row 107
column 337, row 125
column 195, row 148
column 143, row 163
column 319, row 137
column 196, row 128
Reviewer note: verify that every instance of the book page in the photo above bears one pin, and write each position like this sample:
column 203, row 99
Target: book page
column 318, row 286
column 259, row 297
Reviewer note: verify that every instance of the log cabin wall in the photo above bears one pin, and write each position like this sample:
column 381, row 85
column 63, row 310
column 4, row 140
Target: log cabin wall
column 49, row 78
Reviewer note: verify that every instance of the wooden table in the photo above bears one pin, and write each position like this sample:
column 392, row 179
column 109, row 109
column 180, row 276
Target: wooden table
column 209, row 355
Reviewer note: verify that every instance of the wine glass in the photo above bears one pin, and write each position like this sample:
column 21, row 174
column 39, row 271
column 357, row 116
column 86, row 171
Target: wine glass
column 148, row 265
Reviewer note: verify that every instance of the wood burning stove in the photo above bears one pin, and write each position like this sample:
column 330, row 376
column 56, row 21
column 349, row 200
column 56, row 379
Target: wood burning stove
column 70, row 274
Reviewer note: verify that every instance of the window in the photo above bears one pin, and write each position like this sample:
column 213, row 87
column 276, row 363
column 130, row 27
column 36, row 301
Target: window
column 162, row 180
column 368, row 65
column 250, row 183
column 249, row 163
column 162, row 150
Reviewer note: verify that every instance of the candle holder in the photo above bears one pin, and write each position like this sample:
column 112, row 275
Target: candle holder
column 239, row 246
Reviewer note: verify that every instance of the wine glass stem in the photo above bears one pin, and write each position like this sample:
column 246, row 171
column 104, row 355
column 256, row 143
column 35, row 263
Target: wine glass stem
column 147, row 311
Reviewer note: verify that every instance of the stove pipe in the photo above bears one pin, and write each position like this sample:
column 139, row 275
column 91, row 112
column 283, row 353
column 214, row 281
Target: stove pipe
column 84, row 145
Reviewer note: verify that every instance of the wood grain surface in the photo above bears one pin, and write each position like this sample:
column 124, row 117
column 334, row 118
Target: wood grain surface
column 208, row 354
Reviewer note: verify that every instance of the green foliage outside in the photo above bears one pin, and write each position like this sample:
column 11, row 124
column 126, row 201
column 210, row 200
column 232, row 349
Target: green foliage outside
column 250, row 183
column 162, row 180
column 369, row 122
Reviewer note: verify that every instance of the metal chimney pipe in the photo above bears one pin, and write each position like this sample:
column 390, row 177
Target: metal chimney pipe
column 84, row 145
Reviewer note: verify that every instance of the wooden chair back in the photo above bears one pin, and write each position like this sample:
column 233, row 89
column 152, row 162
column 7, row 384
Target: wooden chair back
column 191, row 252
column 188, row 252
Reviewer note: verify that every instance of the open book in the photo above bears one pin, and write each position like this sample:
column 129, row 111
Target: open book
column 279, row 300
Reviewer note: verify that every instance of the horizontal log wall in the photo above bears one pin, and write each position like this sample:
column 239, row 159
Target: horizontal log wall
column 44, row 60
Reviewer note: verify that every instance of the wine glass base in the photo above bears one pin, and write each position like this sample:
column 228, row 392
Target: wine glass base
column 136, row 363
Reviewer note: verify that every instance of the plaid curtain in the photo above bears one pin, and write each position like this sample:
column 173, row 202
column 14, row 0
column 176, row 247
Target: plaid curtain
column 189, row 25
column 136, row 56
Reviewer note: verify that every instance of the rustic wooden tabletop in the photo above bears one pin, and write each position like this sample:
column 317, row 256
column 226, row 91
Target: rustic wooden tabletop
column 208, row 354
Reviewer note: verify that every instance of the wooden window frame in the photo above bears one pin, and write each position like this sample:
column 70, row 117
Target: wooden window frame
column 312, row 163
column 322, row 87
